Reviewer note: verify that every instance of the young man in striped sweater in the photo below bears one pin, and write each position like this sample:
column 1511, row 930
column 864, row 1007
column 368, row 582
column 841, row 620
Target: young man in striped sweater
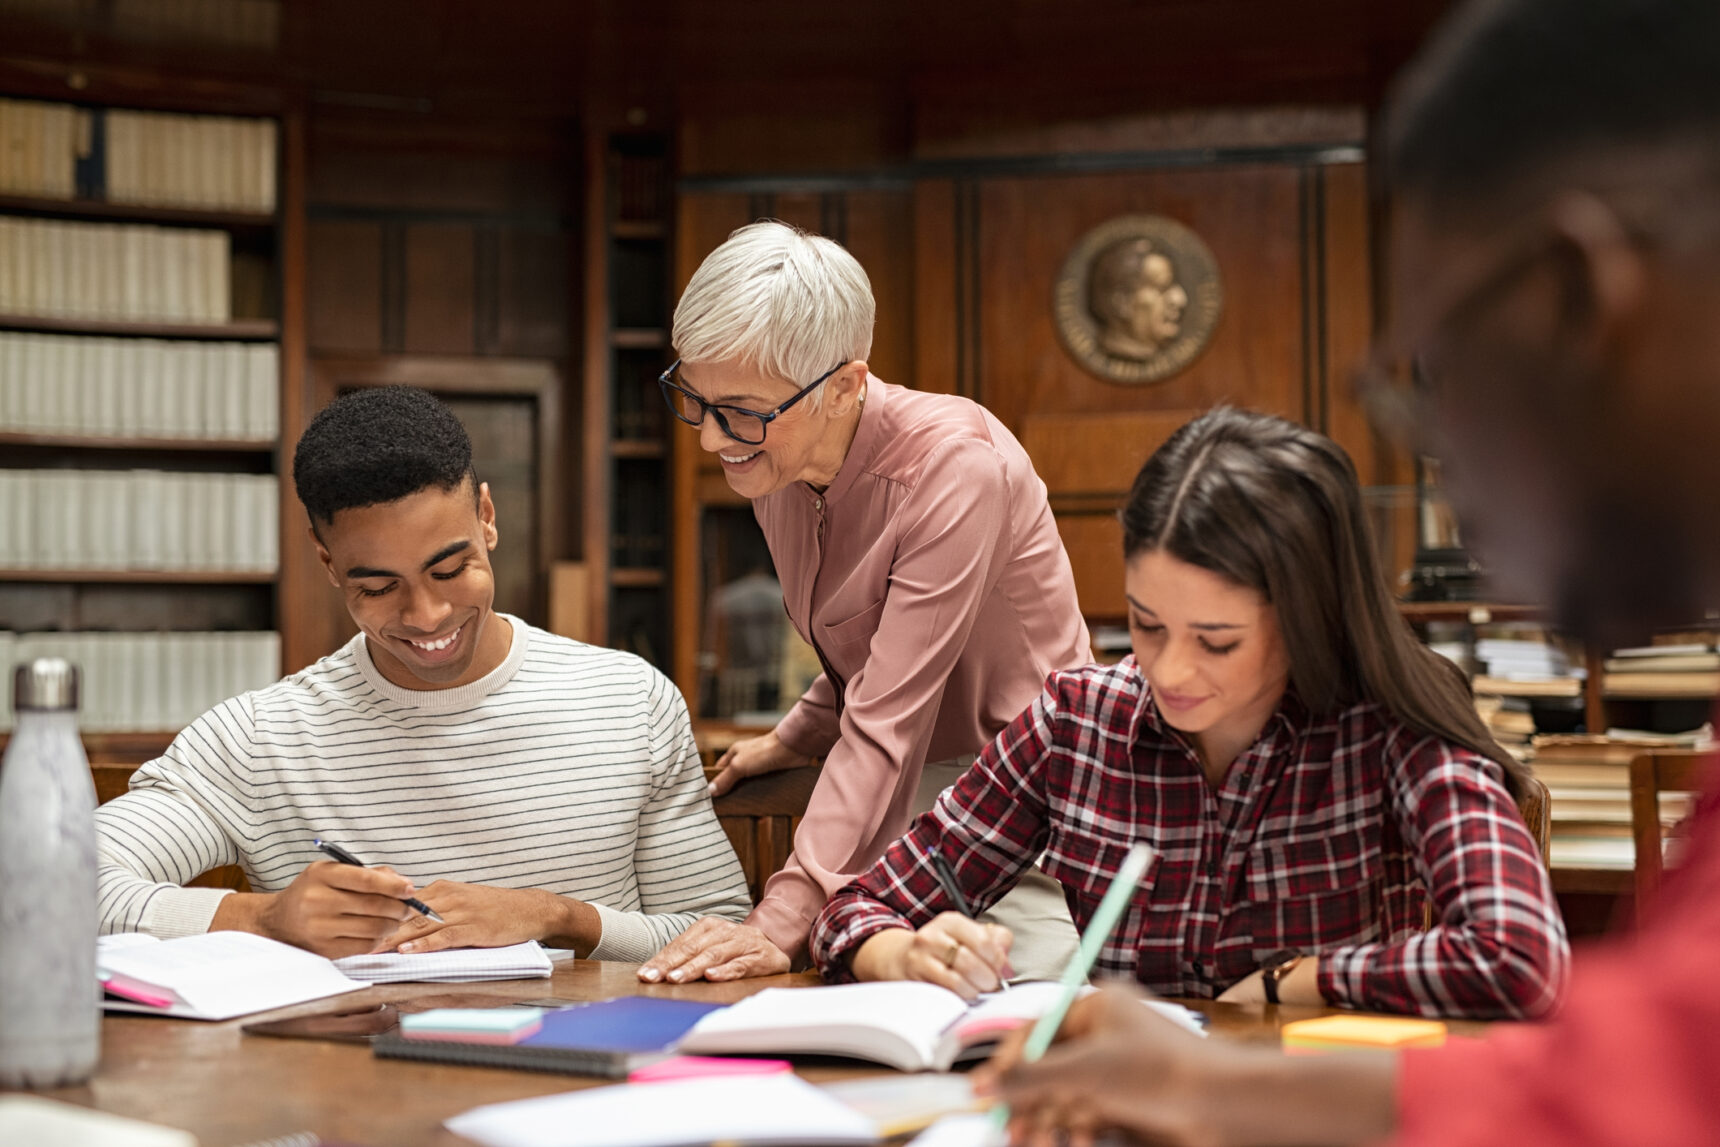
column 525, row 786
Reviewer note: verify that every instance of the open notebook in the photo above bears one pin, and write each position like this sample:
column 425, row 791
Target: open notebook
column 451, row 965
column 213, row 976
column 905, row 1025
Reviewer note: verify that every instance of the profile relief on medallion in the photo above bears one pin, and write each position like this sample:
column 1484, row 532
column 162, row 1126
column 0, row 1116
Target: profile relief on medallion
column 1136, row 301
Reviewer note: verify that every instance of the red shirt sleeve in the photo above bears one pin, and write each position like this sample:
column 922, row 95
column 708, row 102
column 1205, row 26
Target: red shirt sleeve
column 1633, row 1056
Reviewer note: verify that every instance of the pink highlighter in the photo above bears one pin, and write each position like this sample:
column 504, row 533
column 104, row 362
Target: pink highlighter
column 704, row 1067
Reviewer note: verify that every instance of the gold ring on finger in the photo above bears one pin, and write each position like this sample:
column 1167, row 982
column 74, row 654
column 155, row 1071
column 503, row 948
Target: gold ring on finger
column 950, row 954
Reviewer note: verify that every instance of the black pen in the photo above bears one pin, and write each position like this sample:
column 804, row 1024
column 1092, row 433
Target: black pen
column 336, row 852
column 953, row 889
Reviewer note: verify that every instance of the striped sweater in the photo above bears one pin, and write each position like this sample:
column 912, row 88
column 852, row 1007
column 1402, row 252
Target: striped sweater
column 569, row 768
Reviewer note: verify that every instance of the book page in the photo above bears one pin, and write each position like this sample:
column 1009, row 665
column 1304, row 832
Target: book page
column 219, row 975
column 899, row 1023
column 758, row 1109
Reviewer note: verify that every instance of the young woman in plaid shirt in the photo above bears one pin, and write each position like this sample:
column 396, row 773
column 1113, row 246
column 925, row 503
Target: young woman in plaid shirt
column 1308, row 775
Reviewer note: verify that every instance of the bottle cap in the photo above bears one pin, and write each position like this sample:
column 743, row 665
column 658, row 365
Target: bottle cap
column 45, row 683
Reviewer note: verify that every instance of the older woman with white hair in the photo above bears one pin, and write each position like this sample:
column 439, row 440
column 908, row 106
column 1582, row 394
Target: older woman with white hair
column 917, row 555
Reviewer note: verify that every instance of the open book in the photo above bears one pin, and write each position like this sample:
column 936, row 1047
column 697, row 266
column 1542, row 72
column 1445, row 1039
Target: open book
column 214, row 976
column 906, row 1025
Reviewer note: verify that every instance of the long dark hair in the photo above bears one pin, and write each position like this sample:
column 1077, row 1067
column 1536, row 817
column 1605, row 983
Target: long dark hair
column 1276, row 507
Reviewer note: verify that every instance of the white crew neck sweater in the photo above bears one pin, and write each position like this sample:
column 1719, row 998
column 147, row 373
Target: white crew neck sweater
column 568, row 767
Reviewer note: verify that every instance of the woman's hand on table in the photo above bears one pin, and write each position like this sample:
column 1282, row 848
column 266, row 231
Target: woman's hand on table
column 715, row 949
column 952, row 951
column 754, row 757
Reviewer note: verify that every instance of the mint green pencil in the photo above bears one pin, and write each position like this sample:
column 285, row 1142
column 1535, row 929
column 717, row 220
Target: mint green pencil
column 1099, row 930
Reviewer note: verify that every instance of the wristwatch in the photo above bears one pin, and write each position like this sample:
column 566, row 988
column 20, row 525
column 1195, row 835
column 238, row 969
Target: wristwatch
column 1277, row 966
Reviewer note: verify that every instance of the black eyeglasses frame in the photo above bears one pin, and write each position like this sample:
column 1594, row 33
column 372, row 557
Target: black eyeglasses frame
column 671, row 389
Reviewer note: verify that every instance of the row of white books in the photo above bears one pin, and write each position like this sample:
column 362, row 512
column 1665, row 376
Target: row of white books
column 151, row 159
column 39, row 148
column 148, row 682
column 91, row 520
column 139, row 388
column 114, row 271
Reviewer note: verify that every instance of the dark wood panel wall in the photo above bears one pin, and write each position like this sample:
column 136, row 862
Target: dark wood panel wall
column 963, row 251
column 443, row 251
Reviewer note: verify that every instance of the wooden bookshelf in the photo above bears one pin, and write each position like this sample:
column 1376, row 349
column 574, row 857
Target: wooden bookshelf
column 238, row 330
column 265, row 274
column 628, row 259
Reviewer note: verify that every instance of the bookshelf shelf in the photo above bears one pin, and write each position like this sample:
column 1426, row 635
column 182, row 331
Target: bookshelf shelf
column 636, row 577
column 639, row 229
column 638, row 338
column 138, row 577
column 1614, row 689
column 244, row 330
column 636, row 448
column 176, row 445
column 99, row 209
column 1478, row 612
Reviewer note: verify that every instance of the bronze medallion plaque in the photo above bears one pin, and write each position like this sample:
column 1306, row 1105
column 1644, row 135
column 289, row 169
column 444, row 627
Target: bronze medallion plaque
column 1138, row 298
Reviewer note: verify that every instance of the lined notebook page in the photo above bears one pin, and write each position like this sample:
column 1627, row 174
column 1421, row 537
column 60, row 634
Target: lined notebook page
column 451, row 965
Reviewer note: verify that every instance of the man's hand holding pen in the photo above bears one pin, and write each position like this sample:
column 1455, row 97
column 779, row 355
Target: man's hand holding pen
column 484, row 916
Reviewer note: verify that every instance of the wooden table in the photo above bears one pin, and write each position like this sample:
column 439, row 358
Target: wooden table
column 229, row 1088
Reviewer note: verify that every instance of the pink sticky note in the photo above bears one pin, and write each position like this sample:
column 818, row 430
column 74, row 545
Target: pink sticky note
column 704, row 1066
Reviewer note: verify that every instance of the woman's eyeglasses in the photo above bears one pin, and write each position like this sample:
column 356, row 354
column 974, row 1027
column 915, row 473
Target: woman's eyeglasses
column 742, row 425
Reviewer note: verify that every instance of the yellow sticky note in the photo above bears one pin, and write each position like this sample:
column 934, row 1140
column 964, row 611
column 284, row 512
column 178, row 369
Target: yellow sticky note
column 1387, row 1033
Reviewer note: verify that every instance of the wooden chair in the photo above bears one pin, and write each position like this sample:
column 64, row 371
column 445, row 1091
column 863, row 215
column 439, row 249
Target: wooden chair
column 760, row 815
column 1677, row 771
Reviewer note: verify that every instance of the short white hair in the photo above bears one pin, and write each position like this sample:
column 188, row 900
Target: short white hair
column 789, row 303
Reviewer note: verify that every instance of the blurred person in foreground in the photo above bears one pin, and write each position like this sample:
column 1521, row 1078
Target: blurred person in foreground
column 1554, row 281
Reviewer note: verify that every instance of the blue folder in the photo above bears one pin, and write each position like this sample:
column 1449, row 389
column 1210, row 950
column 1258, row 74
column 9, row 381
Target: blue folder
column 609, row 1039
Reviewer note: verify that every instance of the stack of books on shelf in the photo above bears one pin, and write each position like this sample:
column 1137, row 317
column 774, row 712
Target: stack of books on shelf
column 138, row 388
column 1519, row 667
column 1684, row 670
column 114, row 272
column 1525, row 683
column 89, row 520
column 1588, row 781
column 149, row 682
column 145, row 159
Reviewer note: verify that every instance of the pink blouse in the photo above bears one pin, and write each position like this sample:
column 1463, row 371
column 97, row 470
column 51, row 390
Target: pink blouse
column 932, row 581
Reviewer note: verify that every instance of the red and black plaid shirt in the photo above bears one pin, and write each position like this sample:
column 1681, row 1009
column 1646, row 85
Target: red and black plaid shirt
column 1327, row 836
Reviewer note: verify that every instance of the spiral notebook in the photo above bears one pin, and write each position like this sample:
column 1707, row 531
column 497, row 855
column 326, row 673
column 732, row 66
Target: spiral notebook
column 607, row 1039
column 449, row 966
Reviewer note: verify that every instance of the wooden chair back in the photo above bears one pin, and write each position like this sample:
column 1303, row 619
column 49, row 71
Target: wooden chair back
column 1667, row 771
column 760, row 815
column 1535, row 807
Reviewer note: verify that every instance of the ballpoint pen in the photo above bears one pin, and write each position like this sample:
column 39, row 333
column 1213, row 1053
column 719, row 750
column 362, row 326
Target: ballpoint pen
column 953, row 889
column 336, row 852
